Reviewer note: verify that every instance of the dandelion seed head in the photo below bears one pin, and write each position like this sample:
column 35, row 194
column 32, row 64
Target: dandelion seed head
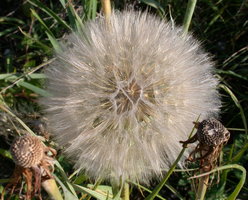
column 125, row 94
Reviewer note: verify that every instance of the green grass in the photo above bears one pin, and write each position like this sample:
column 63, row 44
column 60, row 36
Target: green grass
column 30, row 32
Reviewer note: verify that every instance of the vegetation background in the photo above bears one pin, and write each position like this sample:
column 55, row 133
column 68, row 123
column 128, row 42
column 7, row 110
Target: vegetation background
column 29, row 30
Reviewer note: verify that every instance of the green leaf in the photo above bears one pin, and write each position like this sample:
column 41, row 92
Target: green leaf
column 5, row 153
column 34, row 88
column 162, row 183
column 41, row 21
column 66, row 180
column 11, row 19
column 42, row 45
column 156, row 5
column 67, row 193
column 7, row 30
column 237, row 189
column 54, row 42
column 92, row 193
column 235, row 100
column 188, row 15
column 49, row 12
column 75, row 20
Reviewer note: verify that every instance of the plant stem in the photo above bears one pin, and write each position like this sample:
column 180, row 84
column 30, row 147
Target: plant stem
column 162, row 183
column 125, row 192
column 231, row 166
column 202, row 187
column 52, row 189
column 106, row 5
column 188, row 15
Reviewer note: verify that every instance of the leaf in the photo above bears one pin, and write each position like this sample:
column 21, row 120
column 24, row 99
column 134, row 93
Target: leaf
column 156, row 5
column 92, row 193
column 241, row 183
column 75, row 20
column 34, row 88
column 66, row 180
column 5, row 153
column 234, row 98
column 67, row 194
column 49, row 12
column 163, row 181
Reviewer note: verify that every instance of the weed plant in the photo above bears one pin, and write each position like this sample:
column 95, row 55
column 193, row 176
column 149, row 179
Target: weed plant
column 30, row 30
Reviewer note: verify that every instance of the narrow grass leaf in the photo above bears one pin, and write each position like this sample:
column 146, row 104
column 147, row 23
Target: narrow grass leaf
column 162, row 183
column 188, row 15
column 155, row 4
column 90, row 9
column 54, row 42
column 49, row 12
column 10, row 19
column 104, row 188
column 75, row 20
column 42, row 45
column 231, row 73
column 237, row 189
column 90, row 192
column 34, row 88
column 7, row 77
column 36, row 76
column 5, row 153
column 7, row 180
column 7, row 110
column 7, row 30
column 41, row 21
column 63, row 3
column 147, row 190
column 66, row 180
column 235, row 100
column 67, row 194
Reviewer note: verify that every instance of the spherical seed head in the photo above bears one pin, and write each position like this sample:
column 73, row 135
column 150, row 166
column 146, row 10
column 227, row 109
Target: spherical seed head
column 27, row 151
column 125, row 93
column 212, row 133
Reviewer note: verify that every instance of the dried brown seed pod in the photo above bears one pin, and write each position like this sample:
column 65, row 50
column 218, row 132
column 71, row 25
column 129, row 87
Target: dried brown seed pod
column 212, row 133
column 27, row 151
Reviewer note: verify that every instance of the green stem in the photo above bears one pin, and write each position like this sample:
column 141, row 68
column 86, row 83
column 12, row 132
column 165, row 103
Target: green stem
column 162, row 183
column 236, row 191
column 188, row 15
column 202, row 187
column 125, row 192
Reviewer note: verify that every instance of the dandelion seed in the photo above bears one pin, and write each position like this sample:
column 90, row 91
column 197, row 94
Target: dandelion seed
column 124, row 95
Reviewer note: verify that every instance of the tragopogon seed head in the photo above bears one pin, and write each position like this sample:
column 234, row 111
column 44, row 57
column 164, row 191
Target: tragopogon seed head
column 211, row 132
column 27, row 151
column 125, row 94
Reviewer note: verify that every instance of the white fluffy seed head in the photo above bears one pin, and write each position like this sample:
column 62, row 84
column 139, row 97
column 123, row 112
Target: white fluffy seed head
column 125, row 94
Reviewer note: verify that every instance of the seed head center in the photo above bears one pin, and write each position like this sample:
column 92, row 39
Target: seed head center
column 127, row 97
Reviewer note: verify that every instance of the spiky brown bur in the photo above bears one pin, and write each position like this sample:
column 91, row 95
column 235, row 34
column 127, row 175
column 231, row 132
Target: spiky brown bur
column 27, row 151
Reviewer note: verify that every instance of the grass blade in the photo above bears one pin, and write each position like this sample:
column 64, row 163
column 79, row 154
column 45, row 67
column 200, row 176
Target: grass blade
column 67, row 193
column 236, row 191
column 235, row 100
column 162, row 183
column 75, row 20
column 34, row 88
column 49, row 12
column 156, row 5
column 92, row 193
column 188, row 15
